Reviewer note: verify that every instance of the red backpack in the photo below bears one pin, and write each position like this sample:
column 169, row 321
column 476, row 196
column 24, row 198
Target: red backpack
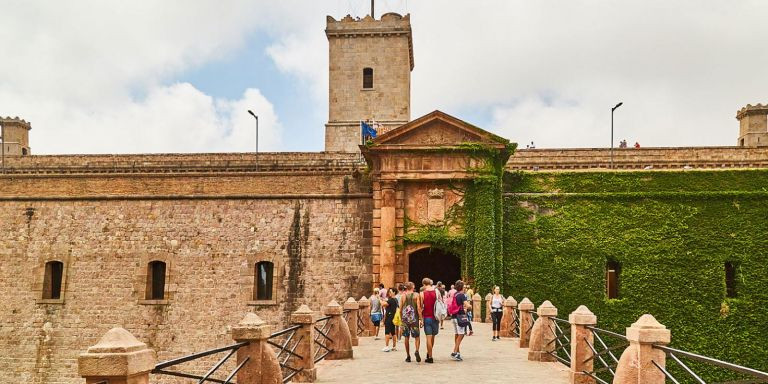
column 453, row 307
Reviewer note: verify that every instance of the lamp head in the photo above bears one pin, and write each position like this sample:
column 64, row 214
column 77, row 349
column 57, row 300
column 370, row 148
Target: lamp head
column 617, row 105
column 251, row 112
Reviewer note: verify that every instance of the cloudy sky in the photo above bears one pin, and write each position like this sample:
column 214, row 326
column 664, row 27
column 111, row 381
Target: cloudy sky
column 178, row 76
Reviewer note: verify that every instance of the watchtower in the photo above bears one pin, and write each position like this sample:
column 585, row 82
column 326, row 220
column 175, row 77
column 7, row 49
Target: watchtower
column 370, row 77
column 753, row 126
column 16, row 140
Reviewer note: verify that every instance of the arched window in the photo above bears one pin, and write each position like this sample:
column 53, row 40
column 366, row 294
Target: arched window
column 155, row 280
column 612, row 274
column 262, row 289
column 367, row 78
column 730, row 279
column 54, row 271
column 24, row 151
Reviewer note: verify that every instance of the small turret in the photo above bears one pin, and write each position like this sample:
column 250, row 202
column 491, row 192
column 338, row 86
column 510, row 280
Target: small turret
column 16, row 136
column 753, row 125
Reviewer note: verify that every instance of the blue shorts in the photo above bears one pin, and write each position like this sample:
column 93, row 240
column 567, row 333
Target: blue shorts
column 431, row 326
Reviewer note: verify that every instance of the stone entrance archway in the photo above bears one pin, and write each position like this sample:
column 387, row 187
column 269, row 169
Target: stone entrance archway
column 434, row 263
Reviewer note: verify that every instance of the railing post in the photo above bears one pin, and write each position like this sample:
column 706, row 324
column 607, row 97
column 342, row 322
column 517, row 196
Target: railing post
column 488, row 299
column 353, row 308
column 338, row 331
column 262, row 366
column 508, row 318
column 526, row 306
column 543, row 336
column 477, row 305
column 118, row 358
column 636, row 363
column 365, row 316
column 581, row 339
column 306, row 345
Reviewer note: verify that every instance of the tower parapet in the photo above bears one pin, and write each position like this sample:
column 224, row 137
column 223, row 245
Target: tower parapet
column 16, row 140
column 370, row 63
column 753, row 125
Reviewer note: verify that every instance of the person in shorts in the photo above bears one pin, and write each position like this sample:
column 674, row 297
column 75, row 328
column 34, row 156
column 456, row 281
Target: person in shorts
column 376, row 313
column 429, row 296
column 390, row 331
column 411, row 301
column 461, row 300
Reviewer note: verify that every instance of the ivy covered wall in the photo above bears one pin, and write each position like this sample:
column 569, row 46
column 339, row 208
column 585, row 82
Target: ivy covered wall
column 672, row 233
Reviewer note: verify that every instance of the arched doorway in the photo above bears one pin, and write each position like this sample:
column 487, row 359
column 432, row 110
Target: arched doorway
column 434, row 263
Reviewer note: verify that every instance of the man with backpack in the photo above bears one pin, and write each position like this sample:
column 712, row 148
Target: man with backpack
column 410, row 315
column 434, row 311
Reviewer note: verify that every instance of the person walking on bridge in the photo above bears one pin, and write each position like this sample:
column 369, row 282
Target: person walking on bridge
column 411, row 316
column 430, row 297
column 376, row 313
column 389, row 321
column 497, row 308
column 458, row 310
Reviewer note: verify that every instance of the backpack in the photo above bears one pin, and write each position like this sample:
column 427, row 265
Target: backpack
column 441, row 310
column 408, row 314
column 453, row 307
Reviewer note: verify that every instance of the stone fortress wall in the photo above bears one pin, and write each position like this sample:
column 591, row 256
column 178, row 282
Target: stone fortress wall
column 210, row 227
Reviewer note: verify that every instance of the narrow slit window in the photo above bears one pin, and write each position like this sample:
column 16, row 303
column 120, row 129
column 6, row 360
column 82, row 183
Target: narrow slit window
column 367, row 78
column 263, row 286
column 54, row 271
column 612, row 274
column 730, row 279
column 156, row 280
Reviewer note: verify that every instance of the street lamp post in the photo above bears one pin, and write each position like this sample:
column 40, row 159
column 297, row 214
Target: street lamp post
column 612, row 110
column 257, row 137
column 2, row 147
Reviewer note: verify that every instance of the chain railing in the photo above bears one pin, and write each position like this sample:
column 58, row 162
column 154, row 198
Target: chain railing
column 516, row 323
column 605, row 360
column 160, row 368
column 562, row 330
column 747, row 375
column 534, row 316
column 360, row 324
column 322, row 340
column 286, row 343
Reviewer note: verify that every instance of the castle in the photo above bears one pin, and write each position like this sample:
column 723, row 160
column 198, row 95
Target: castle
column 175, row 247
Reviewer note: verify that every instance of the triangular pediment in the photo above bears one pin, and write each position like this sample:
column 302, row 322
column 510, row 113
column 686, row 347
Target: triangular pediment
column 437, row 129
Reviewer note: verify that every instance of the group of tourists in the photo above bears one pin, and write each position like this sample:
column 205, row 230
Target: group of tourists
column 406, row 313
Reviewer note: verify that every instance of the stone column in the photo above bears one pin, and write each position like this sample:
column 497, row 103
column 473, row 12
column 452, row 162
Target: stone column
column 526, row 306
column 508, row 318
column 118, row 358
column 580, row 352
column 488, row 299
column 338, row 332
column 365, row 316
column 353, row 308
column 262, row 366
column 543, row 335
column 636, row 363
column 477, row 305
column 306, row 348
column 387, row 237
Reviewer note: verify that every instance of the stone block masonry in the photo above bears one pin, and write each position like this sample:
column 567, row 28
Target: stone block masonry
column 107, row 227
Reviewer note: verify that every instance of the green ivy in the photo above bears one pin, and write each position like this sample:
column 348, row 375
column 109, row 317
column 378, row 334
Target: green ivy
column 672, row 232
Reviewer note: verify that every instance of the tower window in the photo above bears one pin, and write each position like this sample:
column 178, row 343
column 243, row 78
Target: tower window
column 155, row 280
column 263, row 281
column 367, row 78
column 730, row 279
column 54, row 271
column 612, row 274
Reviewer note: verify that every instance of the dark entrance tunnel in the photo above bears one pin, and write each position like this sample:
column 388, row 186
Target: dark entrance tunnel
column 436, row 264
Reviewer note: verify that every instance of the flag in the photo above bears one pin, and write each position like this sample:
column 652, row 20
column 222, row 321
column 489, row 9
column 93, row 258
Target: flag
column 367, row 130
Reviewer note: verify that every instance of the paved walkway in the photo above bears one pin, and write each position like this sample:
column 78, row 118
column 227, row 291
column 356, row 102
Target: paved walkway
column 485, row 361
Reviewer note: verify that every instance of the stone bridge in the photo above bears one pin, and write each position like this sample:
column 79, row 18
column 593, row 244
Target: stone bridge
column 337, row 347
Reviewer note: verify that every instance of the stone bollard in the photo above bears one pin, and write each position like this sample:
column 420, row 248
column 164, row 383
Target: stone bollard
column 338, row 331
column 543, row 334
column 488, row 299
column 508, row 318
column 636, row 363
column 262, row 366
column 365, row 316
column 354, row 309
column 306, row 347
column 525, row 306
column 477, row 305
column 580, row 352
column 118, row 358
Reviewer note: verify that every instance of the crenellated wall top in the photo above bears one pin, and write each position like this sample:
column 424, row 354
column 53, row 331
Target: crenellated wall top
column 752, row 109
